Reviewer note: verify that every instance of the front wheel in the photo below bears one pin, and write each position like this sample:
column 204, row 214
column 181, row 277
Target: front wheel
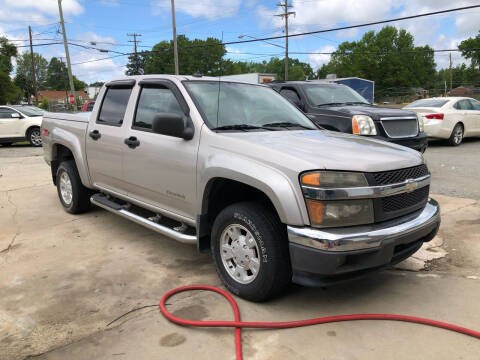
column 456, row 137
column 250, row 250
column 34, row 137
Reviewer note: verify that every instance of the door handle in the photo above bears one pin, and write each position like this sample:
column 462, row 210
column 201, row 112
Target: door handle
column 132, row 142
column 95, row 134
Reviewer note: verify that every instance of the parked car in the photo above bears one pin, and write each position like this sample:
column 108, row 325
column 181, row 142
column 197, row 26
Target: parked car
column 88, row 106
column 339, row 108
column 452, row 118
column 237, row 170
column 19, row 123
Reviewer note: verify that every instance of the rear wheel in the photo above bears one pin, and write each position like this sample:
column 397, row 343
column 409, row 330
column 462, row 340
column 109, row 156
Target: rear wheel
column 34, row 137
column 74, row 197
column 456, row 137
column 250, row 251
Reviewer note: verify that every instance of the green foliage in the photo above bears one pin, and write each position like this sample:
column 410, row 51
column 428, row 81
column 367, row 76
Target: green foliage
column 388, row 57
column 79, row 84
column 24, row 76
column 471, row 50
column 43, row 104
column 7, row 51
column 9, row 93
column 57, row 77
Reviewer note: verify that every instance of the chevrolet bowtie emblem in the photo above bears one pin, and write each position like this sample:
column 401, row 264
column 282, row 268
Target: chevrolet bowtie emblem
column 411, row 185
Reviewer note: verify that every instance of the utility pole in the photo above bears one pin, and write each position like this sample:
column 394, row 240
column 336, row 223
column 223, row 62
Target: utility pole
column 175, row 48
column 451, row 75
column 67, row 55
column 285, row 15
column 34, row 77
column 135, row 41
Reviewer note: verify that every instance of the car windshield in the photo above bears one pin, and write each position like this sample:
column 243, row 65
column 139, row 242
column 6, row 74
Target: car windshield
column 333, row 95
column 29, row 110
column 435, row 103
column 243, row 107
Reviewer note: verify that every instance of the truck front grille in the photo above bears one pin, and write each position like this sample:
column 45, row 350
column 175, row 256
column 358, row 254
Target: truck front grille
column 398, row 176
column 401, row 127
column 394, row 206
column 416, row 198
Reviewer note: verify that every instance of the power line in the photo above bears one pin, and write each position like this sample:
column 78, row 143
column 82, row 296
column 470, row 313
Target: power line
column 285, row 16
column 136, row 59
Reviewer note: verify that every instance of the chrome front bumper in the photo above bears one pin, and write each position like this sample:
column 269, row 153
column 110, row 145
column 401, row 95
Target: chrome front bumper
column 365, row 236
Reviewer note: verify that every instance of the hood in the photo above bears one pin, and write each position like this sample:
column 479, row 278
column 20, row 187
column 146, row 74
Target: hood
column 318, row 149
column 375, row 112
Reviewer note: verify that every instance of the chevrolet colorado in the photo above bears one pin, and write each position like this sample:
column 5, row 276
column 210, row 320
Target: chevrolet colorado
column 239, row 171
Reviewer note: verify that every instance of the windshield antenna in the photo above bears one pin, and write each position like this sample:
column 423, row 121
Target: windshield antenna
column 219, row 78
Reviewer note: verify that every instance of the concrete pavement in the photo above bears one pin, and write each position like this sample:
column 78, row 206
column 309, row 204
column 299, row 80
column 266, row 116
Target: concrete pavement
column 63, row 278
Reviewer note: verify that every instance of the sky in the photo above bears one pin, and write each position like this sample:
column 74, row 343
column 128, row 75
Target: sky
column 107, row 22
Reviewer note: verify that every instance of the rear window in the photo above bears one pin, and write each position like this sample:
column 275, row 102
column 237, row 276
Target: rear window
column 435, row 103
column 114, row 106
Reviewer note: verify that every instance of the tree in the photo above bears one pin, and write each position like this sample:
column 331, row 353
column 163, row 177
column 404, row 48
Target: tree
column 24, row 77
column 204, row 56
column 388, row 57
column 471, row 50
column 57, row 78
column 9, row 93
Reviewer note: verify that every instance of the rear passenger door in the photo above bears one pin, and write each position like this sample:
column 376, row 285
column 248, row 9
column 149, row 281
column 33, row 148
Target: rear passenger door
column 161, row 170
column 476, row 112
column 467, row 115
column 105, row 137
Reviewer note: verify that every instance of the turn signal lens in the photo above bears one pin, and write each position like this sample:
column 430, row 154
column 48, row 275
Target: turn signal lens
column 311, row 179
column 315, row 210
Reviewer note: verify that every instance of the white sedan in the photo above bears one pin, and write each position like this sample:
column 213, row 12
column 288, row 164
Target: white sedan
column 20, row 122
column 451, row 118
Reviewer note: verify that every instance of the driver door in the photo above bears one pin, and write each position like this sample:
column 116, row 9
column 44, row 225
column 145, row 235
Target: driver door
column 10, row 123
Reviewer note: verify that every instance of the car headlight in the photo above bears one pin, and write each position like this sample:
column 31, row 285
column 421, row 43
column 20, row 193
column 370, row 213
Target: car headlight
column 363, row 125
column 420, row 123
column 338, row 212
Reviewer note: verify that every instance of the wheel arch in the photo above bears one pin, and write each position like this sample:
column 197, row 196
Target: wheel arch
column 61, row 152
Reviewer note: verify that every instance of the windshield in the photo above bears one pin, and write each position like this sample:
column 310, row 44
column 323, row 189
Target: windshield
column 29, row 110
column 328, row 94
column 435, row 103
column 246, row 105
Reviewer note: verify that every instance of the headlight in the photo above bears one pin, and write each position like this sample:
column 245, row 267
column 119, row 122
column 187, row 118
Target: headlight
column 333, row 179
column 336, row 213
column 420, row 123
column 340, row 213
column 363, row 125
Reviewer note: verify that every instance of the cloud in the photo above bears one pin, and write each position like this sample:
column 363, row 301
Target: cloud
column 209, row 9
column 317, row 60
column 49, row 7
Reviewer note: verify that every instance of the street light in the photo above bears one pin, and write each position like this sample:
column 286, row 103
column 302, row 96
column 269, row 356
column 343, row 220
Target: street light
column 251, row 37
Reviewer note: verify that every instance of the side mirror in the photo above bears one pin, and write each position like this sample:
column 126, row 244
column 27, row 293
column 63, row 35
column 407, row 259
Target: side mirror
column 172, row 124
column 16, row 115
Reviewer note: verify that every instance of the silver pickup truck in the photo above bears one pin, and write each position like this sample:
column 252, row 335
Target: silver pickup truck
column 239, row 171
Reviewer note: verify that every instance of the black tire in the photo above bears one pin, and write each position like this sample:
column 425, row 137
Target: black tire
column 34, row 136
column 274, row 274
column 456, row 137
column 80, row 195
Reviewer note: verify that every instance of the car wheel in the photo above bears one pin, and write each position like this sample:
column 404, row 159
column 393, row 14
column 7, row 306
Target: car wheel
column 250, row 250
column 34, row 137
column 74, row 197
column 457, row 135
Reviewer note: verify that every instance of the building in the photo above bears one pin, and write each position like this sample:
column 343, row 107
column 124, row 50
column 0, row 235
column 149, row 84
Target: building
column 364, row 87
column 60, row 96
column 254, row 78
column 461, row 91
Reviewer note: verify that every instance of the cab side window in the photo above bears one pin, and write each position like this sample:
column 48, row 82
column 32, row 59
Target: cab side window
column 6, row 113
column 152, row 101
column 291, row 95
column 114, row 106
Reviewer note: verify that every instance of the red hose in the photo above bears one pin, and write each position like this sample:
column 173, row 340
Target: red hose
column 237, row 324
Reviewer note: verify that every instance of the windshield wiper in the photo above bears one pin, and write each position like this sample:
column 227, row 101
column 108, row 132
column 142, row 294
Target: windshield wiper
column 357, row 103
column 243, row 127
column 286, row 124
column 332, row 104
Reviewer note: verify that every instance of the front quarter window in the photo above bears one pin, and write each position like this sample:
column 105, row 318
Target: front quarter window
column 227, row 104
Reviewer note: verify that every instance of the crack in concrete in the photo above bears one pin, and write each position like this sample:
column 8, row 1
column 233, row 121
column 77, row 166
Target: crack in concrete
column 7, row 249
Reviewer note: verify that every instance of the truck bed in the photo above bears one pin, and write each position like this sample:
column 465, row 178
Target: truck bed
column 78, row 117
